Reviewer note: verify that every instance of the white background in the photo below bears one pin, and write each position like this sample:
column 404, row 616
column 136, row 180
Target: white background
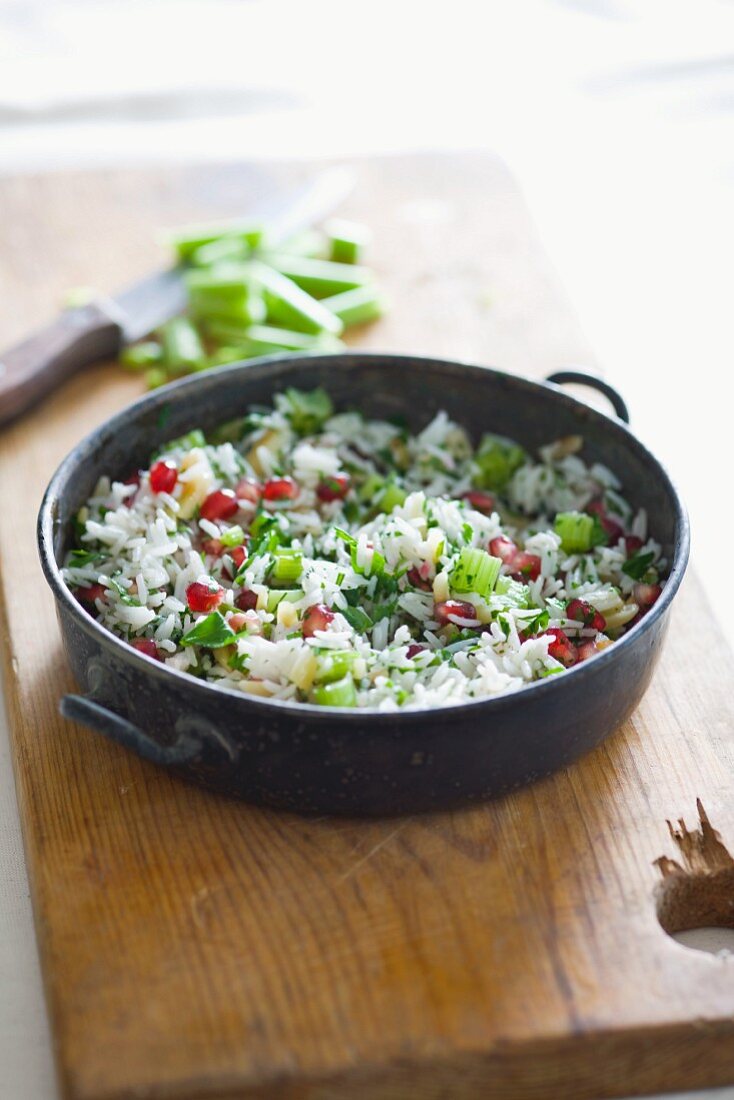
column 616, row 117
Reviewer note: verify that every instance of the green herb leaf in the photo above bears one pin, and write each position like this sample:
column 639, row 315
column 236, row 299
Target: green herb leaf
column 357, row 619
column 210, row 633
column 636, row 566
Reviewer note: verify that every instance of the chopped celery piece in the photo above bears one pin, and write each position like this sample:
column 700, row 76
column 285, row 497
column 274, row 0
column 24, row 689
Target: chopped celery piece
column 290, row 595
column 334, row 664
column 391, row 498
column 139, row 356
column 292, row 307
column 372, row 486
column 497, row 459
column 155, row 377
column 358, row 306
column 286, row 566
column 340, row 693
column 320, row 278
column 188, row 239
column 222, row 250
column 347, row 240
column 182, row 348
column 266, row 339
column 308, row 411
column 225, row 355
column 475, row 571
column 579, row 532
column 228, row 297
column 309, row 242
column 233, row 536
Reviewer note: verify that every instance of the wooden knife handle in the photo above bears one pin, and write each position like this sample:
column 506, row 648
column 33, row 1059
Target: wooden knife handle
column 33, row 368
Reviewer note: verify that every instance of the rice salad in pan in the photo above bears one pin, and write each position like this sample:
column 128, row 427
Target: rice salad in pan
column 308, row 555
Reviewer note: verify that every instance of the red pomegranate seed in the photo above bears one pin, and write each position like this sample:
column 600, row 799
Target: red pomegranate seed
column 596, row 507
column 503, row 548
column 524, row 566
column 316, row 618
column 280, row 488
column 333, row 488
column 561, row 647
column 247, row 600
column 414, row 649
column 458, row 612
column 163, row 476
column 481, row 502
column 632, row 544
column 418, row 581
column 248, row 490
column 204, row 595
column 614, row 530
column 91, row 593
column 134, row 479
column 212, row 547
column 645, row 595
column 221, row 504
column 582, row 612
column 237, row 622
column 146, row 646
column 238, row 554
column 586, row 650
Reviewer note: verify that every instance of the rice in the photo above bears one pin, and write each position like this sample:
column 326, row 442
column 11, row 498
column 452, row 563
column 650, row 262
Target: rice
column 310, row 556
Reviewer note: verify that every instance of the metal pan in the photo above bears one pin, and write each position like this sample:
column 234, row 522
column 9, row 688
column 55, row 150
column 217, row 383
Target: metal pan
column 310, row 759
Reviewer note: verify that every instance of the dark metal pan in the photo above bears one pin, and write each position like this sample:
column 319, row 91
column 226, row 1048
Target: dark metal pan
column 310, row 759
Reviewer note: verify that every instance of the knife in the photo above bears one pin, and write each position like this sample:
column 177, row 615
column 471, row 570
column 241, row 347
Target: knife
column 100, row 328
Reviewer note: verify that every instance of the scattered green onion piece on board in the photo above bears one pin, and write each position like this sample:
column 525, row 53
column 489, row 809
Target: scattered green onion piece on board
column 339, row 693
column 347, row 240
column 357, row 306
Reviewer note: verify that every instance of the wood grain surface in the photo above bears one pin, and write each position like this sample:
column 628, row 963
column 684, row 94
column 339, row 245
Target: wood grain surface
column 197, row 948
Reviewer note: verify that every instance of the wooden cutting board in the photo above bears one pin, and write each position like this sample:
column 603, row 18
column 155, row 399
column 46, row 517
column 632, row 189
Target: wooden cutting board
column 194, row 947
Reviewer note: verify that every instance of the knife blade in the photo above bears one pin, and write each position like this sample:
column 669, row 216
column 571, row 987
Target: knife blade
column 81, row 336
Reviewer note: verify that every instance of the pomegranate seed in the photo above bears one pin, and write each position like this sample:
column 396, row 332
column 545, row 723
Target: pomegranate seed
column 204, row 595
column 237, row 622
column 645, row 595
column 596, row 507
column 221, row 504
column 163, row 476
column 414, row 649
column 524, row 566
column 614, row 530
column 212, row 547
column 586, row 650
column 248, row 490
column 632, row 544
column 561, row 647
column 280, row 488
column 582, row 612
column 91, row 593
column 247, row 600
column 481, row 502
column 418, row 581
column 146, row 646
column 238, row 554
column 458, row 612
column 134, row 479
column 316, row 618
column 333, row 488
column 503, row 548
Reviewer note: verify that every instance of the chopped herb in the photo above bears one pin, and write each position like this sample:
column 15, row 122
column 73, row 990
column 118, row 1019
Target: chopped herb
column 210, row 633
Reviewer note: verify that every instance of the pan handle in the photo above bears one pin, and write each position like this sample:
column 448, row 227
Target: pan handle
column 98, row 718
column 582, row 378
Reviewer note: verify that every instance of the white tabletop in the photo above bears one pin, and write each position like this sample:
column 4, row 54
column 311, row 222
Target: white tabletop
column 615, row 116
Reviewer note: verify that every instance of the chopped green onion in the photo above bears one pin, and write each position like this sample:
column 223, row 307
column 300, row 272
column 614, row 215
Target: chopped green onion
column 347, row 240
column 579, row 532
column 211, row 632
column 287, row 565
column 292, row 307
column 475, row 571
column 340, row 693
column 182, row 347
column 497, row 459
column 320, row 278
column 358, row 306
column 139, row 356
